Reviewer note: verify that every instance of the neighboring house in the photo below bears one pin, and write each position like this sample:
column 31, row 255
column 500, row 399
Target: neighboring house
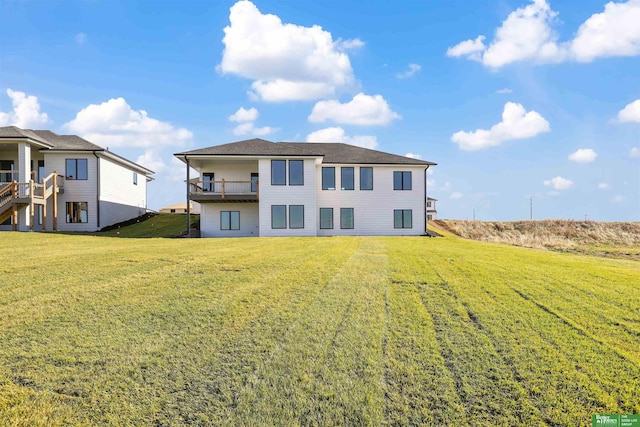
column 262, row 188
column 431, row 208
column 181, row 208
column 50, row 181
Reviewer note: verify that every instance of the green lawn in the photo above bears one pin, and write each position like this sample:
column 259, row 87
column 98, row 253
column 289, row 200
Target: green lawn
column 312, row 331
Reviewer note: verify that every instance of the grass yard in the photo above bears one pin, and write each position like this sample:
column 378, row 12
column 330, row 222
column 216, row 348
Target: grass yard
column 312, row 331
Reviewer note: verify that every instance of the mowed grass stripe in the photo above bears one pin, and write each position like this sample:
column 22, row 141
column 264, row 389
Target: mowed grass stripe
column 327, row 369
column 542, row 348
column 146, row 318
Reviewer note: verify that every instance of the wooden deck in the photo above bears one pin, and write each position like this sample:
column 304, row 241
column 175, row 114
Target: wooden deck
column 15, row 196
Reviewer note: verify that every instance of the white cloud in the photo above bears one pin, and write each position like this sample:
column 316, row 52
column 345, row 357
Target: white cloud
column 456, row 195
column 617, row 199
column 286, row 61
column 413, row 68
column 469, row 48
column 81, row 38
column 337, row 134
column 446, row 187
column 614, row 32
column 630, row 113
column 527, row 34
column 413, row 156
column 243, row 115
column 350, row 44
column 361, row 110
column 503, row 91
column 583, row 155
column 634, row 153
column 603, row 186
column 26, row 111
column 246, row 119
column 516, row 123
column 151, row 160
column 559, row 183
column 115, row 124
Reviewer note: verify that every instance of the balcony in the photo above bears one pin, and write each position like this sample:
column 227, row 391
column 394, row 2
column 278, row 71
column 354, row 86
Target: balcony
column 205, row 191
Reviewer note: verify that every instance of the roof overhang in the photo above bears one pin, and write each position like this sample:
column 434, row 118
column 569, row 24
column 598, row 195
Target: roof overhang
column 15, row 140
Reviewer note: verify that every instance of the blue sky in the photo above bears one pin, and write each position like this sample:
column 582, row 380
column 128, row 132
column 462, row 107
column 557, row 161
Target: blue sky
column 512, row 98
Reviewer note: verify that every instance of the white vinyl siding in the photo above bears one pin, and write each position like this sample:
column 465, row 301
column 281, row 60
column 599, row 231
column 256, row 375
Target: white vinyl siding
column 120, row 198
column 373, row 209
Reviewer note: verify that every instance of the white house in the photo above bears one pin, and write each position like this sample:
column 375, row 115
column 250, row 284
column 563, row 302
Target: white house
column 50, row 181
column 431, row 208
column 261, row 188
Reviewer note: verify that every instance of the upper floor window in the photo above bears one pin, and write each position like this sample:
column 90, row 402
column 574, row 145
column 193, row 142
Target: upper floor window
column 428, row 204
column 278, row 172
column 76, row 169
column 208, row 181
column 135, row 178
column 329, row 178
column 366, row 178
column 401, row 180
column 346, row 178
column 296, row 172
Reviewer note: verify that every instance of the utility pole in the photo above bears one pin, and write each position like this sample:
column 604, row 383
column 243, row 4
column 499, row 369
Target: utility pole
column 531, row 207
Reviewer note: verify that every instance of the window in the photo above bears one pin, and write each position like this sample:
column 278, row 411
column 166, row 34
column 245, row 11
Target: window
column 208, row 181
column 6, row 166
column 77, row 212
column 135, row 178
column 76, row 169
column 402, row 218
column 346, row 218
column 428, row 204
column 429, row 217
column 326, row 218
column 401, row 180
column 346, row 178
column 278, row 172
column 230, row 220
column 328, row 178
column 296, row 172
column 366, row 178
column 254, row 182
column 278, row 216
column 296, row 216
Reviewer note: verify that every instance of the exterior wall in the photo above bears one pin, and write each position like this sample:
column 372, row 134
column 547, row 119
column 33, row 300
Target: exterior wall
column 373, row 209
column 74, row 191
column 231, row 171
column 210, row 220
column 288, row 195
column 120, row 199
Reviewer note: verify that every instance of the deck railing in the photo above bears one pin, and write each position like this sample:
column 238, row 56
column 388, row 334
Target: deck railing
column 223, row 188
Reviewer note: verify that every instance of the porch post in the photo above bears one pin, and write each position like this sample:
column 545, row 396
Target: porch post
column 24, row 175
column 188, row 201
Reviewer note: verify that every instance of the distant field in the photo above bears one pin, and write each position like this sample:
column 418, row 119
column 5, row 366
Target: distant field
column 312, row 331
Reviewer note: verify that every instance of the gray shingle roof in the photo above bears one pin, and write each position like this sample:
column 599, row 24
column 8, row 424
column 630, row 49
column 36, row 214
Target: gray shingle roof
column 15, row 132
column 330, row 152
column 67, row 142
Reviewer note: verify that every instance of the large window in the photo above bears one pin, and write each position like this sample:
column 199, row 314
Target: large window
column 296, row 216
column 346, row 217
column 326, row 218
column 366, row 178
column 346, row 178
column 402, row 218
column 278, row 216
column 278, row 172
column 76, row 169
column 401, row 180
column 296, row 172
column 230, row 220
column 329, row 178
column 77, row 212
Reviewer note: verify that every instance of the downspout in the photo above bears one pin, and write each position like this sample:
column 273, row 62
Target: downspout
column 188, row 202
column 97, row 188
column 425, row 200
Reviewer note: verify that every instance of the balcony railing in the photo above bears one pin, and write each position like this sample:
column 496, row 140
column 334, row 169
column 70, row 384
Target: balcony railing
column 198, row 187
